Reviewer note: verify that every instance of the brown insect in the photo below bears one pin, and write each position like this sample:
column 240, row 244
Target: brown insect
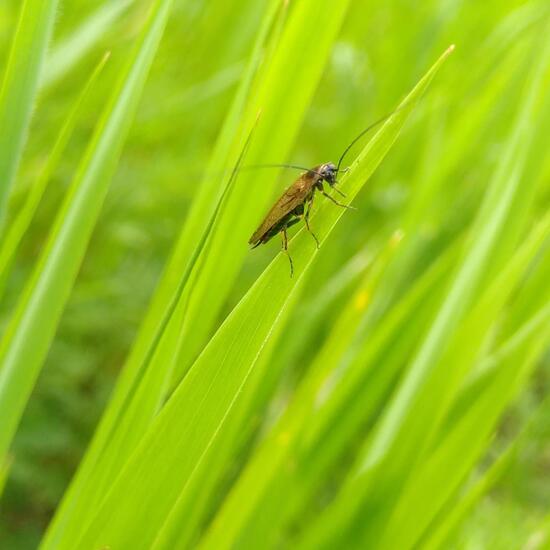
column 296, row 202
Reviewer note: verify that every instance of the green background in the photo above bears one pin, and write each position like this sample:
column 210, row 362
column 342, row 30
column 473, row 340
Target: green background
column 381, row 51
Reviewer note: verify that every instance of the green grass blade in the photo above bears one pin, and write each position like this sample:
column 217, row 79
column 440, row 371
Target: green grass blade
column 185, row 432
column 440, row 475
column 242, row 414
column 518, row 322
column 416, row 407
column 185, row 532
column 208, row 194
column 153, row 389
column 137, row 410
column 20, row 224
column 258, row 378
column 144, row 392
column 471, row 336
column 41, row 305
column 491, row 219
column 286, row 85
column 440, row 532
column 69, row 51
column 319, row 428
column 201, row 487
column 18, row 93
column 312, row 312
column 201, row 210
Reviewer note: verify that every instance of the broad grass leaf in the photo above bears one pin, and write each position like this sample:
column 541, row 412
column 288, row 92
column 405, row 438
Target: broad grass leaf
column 186, row 430
column 39, row 309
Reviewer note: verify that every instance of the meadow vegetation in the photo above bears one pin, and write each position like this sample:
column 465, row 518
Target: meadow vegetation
column 163, row 386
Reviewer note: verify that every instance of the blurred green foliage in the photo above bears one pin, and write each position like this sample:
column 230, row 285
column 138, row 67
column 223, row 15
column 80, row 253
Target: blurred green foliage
column 382, row 49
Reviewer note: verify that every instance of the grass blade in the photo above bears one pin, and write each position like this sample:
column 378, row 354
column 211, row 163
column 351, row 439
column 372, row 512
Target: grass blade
column 20, row 224
column 141, row 392
column 67, row 53
column 314, row 427
column 20, row 85
column 123, row 436
column 454, row 514
column 416, row 408
column 293, row 72
column 185, row 433
column 417, row 496
column 41, row 305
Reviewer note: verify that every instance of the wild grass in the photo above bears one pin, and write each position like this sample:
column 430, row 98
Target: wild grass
column 359, row 403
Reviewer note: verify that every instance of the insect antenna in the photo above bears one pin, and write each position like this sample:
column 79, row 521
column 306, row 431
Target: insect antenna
column 362, row 133
column 292, row 166
column 306, row 169
column 250, row 167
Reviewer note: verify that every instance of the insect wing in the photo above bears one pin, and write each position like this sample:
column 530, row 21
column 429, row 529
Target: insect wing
column 289, row 200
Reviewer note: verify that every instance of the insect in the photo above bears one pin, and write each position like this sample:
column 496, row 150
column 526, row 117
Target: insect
column 296, row 202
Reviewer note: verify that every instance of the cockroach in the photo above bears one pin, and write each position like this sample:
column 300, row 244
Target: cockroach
column 296, row 202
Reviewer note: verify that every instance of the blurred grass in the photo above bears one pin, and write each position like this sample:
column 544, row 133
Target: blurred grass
column 20, row 84
column 38, row 311
column 361, row 312
column 21, row 223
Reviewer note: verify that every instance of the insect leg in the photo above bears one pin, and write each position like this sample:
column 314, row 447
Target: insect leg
column 306, row 218
column 339, row 192
column 336, row 202
column 285, row 248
